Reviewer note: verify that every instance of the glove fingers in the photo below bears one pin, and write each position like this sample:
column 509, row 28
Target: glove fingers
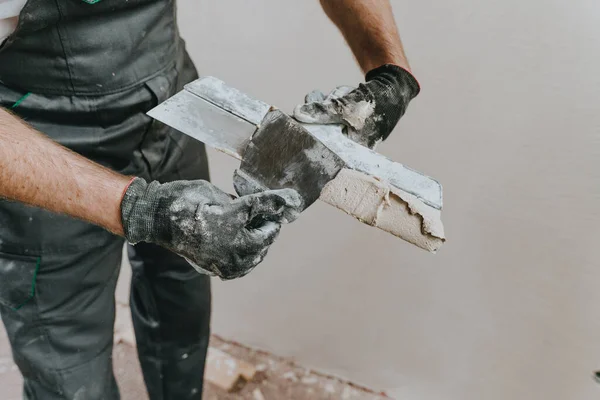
column 259, row 238
column 249, row 262
column 211, row 270
column 255, row 248
column 281, row 205
column 321, row 109
column 338, row 92
column 252, row 247
column 318, row 113
column 207, row 190
column 294, row 204
column 316, row 96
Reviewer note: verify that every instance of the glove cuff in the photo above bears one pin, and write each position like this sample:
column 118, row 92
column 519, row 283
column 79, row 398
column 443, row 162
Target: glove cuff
column 400, row 75
column 137, row 214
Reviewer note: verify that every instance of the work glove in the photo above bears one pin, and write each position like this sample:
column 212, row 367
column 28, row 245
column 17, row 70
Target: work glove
column 369, row 112
column 217, row 233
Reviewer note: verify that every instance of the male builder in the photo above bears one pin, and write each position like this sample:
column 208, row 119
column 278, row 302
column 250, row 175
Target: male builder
column 82, row 75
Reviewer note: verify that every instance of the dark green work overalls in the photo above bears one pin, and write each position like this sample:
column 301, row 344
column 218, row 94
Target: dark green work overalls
column 85, row 73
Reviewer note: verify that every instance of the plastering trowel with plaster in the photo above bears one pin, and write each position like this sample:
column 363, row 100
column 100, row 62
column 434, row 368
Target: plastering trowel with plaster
column 319, row 161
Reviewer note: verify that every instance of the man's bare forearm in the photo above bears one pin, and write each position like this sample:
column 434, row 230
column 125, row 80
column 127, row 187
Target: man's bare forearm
column 370, row 30
column 37, row 171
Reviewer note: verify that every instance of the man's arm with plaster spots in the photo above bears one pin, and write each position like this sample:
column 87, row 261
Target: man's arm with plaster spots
column 219, row 235
column 371, row 111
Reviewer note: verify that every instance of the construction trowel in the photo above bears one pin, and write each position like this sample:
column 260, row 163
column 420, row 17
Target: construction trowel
column 276, row 151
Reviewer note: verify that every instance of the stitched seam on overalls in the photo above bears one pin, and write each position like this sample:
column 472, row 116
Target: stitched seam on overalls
column 33, row 283
column 45, row 90
column 46, row 334
column 158, row 348
column 22, row 99
column 62, row 45
column 145, row 160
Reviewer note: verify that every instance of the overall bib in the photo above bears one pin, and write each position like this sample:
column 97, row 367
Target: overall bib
column 84, row 72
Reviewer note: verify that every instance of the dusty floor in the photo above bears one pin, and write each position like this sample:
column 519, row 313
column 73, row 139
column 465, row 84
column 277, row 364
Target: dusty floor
column 278, row 379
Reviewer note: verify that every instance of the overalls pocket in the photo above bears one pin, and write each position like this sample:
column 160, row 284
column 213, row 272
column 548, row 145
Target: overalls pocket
column 154, row 146
column 17, row 279
column 29, row 341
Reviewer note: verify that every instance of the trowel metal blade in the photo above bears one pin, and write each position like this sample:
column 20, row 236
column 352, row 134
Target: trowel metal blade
column 210, row 111
column 282, row 154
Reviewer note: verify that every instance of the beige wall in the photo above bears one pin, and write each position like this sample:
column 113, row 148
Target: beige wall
column 509, row 121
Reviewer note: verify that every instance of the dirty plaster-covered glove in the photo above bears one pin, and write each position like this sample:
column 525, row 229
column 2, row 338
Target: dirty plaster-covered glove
column 218, row 234
column 371, row 111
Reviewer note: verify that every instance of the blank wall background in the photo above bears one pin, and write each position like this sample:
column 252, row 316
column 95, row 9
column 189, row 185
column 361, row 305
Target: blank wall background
column 508, row 120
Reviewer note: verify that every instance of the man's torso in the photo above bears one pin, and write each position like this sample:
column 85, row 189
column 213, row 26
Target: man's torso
column 74, row 47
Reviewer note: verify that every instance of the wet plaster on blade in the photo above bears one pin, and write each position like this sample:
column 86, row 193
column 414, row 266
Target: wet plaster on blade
column 378, row 204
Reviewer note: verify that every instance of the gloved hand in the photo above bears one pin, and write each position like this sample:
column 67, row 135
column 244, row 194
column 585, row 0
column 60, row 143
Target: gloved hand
column 217, row 233
column 371, row 111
